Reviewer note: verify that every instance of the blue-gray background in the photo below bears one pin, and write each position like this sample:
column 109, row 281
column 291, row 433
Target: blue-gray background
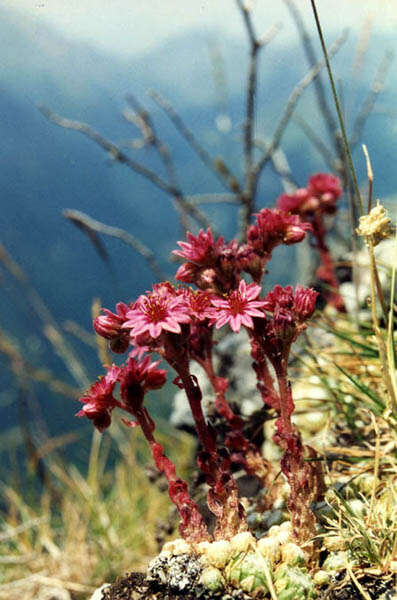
column 45, row 169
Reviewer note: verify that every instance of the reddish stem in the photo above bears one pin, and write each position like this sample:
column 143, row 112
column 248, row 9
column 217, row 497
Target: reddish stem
column 206, row 436
column 223, row 498
column 220, row 385
column 245, row 452
column 305, row 481
column 326, row 270
column 192, row 528
column 285, row 396
column 265, row 381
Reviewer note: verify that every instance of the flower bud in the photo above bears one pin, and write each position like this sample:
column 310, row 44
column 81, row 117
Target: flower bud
column 304, row 302
column 109, row 326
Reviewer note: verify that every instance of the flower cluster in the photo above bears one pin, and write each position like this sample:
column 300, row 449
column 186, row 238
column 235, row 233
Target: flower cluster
column 178, row 324
column 272, row 228
column 319, row 196
column 210, row 265
column 135, row 379
column 312, row 204
column 99, row 401
column 376, row 225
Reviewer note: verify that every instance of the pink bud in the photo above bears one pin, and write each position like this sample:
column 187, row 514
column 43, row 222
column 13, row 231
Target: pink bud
column 304, row 302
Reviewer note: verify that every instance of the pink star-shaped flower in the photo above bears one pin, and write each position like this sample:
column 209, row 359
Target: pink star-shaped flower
column 239, row 307
column 201, row 249
column 198, row 303
column 155, row 312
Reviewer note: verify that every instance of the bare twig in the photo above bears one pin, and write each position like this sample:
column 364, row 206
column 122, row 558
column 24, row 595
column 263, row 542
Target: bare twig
column 255, row 46
column 280, row 165
column 289, row 109
column 152, row 138
column 247, row 197
column 219, row 74
column 213, row 199
column 123, row 158
column 358, row 62
column 312, row 60
column 362, row 46
column 224, row 175
column 348, row 155
column 316, row 141
column 369, row 102
column 142, row 119
column 87, row 223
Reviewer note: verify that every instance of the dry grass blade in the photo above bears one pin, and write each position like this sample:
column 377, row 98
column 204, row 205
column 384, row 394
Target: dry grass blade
column 18, row 362
column 97, row 532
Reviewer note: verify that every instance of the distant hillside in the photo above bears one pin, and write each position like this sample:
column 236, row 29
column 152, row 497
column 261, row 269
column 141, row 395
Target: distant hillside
column 45, row 169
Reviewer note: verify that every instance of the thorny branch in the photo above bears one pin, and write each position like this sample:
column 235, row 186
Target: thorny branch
column 87, row 223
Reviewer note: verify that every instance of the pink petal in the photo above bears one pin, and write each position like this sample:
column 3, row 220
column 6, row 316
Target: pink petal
column 222, row 320
column 242, row 288
column 254, row 312
column 220, row 303
column 139, row 328
column 257, row 303
column 247, row 321
column 235, row 323
column 154, row 329
column 253, row 292
column 171, row 325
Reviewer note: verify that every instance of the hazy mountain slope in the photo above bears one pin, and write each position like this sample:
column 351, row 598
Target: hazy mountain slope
column 45, row 169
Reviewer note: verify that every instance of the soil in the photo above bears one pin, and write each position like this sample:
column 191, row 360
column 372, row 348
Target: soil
column 134, row 586
column 377, row 588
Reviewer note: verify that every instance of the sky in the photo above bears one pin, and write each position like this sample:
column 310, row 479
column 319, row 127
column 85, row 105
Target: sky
column 134, row 27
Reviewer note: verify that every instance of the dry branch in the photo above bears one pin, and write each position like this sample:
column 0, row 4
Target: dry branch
column 312, row 60
column 369, row 102
column 87, row 223
column 226, row 178
column 118, row 155
column 255, row 46
column 249, row 199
